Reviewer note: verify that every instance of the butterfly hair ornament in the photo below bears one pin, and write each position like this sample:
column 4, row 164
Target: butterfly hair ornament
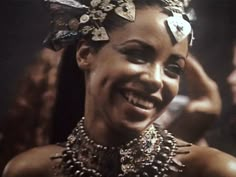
column 72, row 20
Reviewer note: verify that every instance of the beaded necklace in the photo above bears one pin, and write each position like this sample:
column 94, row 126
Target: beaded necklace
column 149, row 155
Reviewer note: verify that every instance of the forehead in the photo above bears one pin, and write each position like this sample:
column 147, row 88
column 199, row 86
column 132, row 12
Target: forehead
column 148, row 21
column 149, row 26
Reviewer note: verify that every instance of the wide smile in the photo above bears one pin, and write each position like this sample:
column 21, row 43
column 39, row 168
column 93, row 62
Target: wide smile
column 139, row 100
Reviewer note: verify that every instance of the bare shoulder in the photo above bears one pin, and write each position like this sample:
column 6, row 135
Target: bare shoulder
column 32, row 163
column 208, row 162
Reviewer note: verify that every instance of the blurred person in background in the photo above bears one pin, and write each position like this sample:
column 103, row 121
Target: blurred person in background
column 28, row 121
column 223, row 136
column 232, row 77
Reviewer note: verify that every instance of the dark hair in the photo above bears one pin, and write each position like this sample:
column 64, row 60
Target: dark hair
column 69, row 106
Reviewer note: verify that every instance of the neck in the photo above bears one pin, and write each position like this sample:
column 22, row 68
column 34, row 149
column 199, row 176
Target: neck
column 103, row 134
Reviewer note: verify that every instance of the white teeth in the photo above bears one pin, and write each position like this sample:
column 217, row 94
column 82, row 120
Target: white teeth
column 138, row 101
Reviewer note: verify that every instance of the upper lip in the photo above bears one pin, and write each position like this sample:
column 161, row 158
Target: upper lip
column 143, row 94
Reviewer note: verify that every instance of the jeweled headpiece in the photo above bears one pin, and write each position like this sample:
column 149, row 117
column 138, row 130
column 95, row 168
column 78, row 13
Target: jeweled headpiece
column 72, row 20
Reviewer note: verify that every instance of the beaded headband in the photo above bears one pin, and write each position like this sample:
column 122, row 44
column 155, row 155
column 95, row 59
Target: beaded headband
column 71, row 19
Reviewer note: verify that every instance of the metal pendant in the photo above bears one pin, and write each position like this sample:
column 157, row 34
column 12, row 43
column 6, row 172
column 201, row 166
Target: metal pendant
column 179, row 27
column 100, row 34
column 126, row 11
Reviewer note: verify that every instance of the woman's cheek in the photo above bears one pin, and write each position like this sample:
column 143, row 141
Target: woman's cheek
column 171, row 88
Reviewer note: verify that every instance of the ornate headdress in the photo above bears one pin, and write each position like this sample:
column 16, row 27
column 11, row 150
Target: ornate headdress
column 71, row 19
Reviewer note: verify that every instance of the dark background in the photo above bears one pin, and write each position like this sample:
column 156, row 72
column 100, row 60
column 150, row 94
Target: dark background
column 25, row 23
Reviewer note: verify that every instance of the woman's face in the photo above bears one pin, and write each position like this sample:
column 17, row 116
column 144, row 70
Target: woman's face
column 232, row 78
column 132, row 79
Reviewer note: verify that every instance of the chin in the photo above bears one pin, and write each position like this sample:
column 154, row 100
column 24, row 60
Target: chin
column 134, row 127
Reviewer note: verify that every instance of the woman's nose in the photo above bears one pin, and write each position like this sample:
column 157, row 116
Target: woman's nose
column 232, row 77
column 153, row 78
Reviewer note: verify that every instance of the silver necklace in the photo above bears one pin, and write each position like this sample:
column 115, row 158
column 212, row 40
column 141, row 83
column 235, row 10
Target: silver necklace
column 150, row 154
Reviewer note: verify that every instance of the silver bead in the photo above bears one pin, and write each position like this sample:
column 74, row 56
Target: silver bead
column 84, row 18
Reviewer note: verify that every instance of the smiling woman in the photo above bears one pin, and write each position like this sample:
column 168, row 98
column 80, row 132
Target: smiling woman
column 137, row 88
column 131, row 54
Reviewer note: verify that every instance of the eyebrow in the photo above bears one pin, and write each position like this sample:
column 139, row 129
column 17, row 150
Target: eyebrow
column 146, row 46
column 178, row 57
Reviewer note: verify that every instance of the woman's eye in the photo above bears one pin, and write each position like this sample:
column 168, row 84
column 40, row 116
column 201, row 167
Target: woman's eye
column 136, row 56
column 173, row 70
